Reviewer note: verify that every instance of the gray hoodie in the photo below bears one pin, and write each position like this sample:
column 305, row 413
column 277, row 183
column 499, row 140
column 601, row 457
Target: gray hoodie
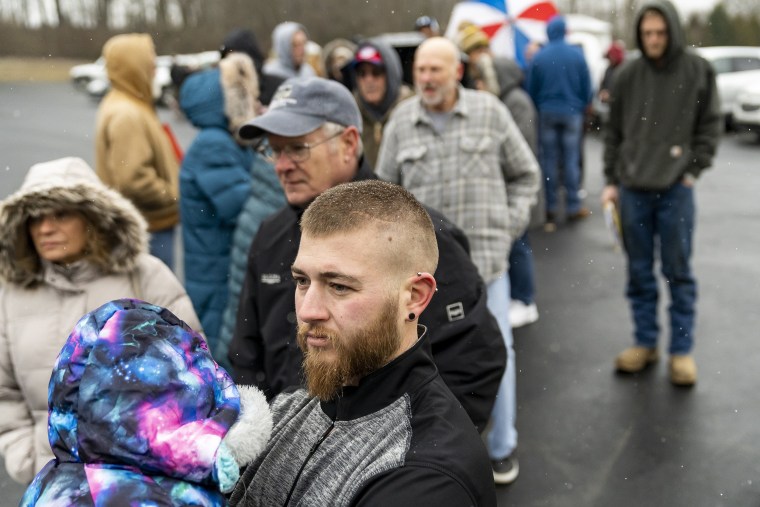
column 665, row 117
column 510, row 78
column 374, row 117
column 282, row 46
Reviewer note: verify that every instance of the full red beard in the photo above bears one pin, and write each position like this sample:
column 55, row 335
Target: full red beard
column 357, row 354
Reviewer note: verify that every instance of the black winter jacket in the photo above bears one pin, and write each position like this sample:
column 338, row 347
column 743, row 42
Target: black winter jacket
column 466, row 343
column 398, row 439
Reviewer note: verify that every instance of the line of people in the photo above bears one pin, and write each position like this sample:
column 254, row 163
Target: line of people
column 390, row 304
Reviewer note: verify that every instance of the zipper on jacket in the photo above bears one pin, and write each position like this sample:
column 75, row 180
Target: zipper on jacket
column 308, row 457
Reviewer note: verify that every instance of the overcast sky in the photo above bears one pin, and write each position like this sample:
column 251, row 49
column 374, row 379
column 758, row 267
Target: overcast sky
column 686, row 7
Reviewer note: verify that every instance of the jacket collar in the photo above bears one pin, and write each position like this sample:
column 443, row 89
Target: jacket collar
column 405, row 374
column 420, row 114
column 364, row 172
column 70, row 277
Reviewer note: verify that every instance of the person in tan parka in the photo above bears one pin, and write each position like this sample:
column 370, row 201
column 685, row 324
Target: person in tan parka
column 133, row 153
column 68, row 244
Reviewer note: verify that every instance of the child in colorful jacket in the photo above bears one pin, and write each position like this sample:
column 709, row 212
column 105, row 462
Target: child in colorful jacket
column 139, row 413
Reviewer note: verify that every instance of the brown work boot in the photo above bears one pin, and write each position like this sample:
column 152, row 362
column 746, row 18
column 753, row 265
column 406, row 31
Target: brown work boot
column 579, row 215
column 683, row 370
column 635, row 359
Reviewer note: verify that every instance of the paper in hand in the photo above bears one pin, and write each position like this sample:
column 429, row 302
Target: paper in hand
column 612, row 219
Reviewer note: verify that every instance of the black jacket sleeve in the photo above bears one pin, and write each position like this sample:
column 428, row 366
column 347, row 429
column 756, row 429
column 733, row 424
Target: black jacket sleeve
column 246, row 352
column 466, row 343
column 420, row 487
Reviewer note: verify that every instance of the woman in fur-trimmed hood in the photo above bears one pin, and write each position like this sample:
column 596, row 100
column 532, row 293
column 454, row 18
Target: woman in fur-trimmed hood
column 68, row 244
column 215, row 180
column 140, row 414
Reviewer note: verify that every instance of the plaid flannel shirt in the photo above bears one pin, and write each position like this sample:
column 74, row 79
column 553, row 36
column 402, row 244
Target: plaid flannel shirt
column 480, row 173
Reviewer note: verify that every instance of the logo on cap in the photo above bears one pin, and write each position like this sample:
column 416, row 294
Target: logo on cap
column 368, row 54
column 282, row 97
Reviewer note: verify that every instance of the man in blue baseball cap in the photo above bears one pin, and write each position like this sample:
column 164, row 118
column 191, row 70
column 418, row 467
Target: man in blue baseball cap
column 313, row 127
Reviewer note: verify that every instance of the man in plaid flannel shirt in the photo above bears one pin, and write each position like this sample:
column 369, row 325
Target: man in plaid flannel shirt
column 460, row 151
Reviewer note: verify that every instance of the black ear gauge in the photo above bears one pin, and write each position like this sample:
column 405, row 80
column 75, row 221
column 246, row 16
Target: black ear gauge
column 412, row 316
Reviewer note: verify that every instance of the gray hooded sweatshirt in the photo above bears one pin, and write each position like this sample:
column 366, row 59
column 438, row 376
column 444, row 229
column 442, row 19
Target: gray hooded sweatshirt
column 375, row 117
column 665, row 117
column 282, row 46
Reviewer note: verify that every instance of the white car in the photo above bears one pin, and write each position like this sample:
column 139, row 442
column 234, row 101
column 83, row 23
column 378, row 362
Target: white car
column 735, row 67
column 93, row 78
column 81, row 75
column 747, row 109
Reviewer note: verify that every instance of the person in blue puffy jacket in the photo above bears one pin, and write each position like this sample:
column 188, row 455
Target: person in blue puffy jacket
column 215, row 180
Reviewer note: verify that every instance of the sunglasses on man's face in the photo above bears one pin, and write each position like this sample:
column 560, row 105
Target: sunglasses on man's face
column 367, row 71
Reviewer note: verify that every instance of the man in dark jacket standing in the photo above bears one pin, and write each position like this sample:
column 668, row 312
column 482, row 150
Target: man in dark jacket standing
column 663, row 132
column 376, row 425
column 314, row 127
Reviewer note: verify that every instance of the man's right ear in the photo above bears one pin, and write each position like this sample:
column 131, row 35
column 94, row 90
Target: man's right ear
column 351, row 139
column 422, row 288
column 460, row 71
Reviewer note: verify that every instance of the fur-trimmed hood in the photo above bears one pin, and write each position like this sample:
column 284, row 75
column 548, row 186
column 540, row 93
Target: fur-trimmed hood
column 67, row 183
column 225, row 97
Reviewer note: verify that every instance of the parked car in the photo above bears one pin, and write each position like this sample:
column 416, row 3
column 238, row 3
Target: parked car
column 735, row 67
column 746, row 112
column 93, row 78
column 81, row 75
column 405, row 44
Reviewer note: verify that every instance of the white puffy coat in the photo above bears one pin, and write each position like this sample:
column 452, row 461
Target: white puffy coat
column 41, row 302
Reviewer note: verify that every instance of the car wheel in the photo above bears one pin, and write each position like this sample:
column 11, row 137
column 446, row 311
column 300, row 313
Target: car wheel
column 80, row 83
column 167, row 98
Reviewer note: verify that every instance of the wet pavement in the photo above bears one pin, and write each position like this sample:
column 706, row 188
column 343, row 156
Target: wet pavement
column 587, row 436
column 590, row 437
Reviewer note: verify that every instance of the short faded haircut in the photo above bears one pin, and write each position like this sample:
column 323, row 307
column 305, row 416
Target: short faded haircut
column 389, row 208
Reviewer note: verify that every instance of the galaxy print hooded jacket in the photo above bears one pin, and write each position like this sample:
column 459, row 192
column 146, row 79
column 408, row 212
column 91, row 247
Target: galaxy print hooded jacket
column 140, row 414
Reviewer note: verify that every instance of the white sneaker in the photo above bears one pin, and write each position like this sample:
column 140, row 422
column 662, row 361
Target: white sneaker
column 521, row 314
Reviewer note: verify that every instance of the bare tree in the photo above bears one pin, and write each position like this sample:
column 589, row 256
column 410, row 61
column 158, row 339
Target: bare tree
column 742, row 7
column 63, row 19
column 102, row 18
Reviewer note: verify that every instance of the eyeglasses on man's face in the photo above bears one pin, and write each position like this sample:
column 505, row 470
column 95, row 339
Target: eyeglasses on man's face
column 297, row 152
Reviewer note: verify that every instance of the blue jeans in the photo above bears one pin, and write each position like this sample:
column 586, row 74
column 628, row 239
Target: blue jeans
column 559, row 137
column 664, row 219
column 521, row 271
column 162, row 246
column 502, row 439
